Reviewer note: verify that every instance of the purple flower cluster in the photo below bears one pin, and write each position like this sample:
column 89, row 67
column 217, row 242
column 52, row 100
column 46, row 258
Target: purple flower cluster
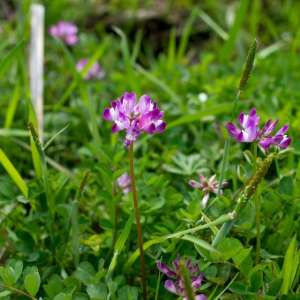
column 208, row 186
column 249, row 131
column 124, row 183
column 135, row 116
column 95, row 72
column 65, row 31
column 175, row 284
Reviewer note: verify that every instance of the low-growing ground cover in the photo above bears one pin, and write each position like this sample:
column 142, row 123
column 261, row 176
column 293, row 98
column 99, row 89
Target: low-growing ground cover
column 209, row 195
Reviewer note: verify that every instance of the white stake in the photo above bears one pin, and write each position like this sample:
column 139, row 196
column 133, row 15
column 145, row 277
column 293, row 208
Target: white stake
column 37, row 62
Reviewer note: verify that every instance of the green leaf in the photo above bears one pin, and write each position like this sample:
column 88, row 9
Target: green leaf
column 13, row 173
column 229, row 248
column 290, row 266
column 8, row 275
column 32, row 282
column 201, row 243
column 5, row 293
column 54, row 286
column 97, row 291
column 63, row 296
column 175, row 235
column 17, row 267
column 127, row 293
column 10, row 112
column 120, row 245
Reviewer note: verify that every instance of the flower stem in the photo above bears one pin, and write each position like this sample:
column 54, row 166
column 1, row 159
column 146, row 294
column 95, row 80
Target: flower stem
column 17, row 291
column 257, row 221
column 138, row 222
column 186, row 281
column 227, row 145
column 257, row 208
column 248, row 191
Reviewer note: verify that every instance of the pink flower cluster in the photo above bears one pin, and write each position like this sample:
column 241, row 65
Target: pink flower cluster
column 175, row 284
column 249, row 131
column 135, row 116
column 65, row 31
column 124, row 183
column 208, row 186
column 95, row 72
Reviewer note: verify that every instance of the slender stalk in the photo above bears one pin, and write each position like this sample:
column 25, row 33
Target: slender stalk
column 257, row 209
column 242, row 85
column 138, row 222
column 17, row 291
column 248, row 191
column 227, row 145
column 257, row 221
column 190, row 295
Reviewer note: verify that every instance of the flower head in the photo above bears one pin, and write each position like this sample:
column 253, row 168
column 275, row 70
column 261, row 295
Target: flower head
column 124, row 182
column 95, row 70
column 249, row 131
column 208, row 186
column 175, row 283
column 135, row 116
column 280, row 139
column 65, row 31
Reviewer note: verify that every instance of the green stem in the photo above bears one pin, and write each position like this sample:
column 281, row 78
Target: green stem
column 254, row 151
column 227, row 145
column 257, row 221
column 257, row 208
column 17, row 291
column 138, row 222
column 248, row 191
column 190, row 295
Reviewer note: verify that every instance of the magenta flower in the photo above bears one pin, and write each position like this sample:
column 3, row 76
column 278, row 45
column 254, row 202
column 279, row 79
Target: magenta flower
column 124, row 182
column 175, row 284
column 280, row 139
column 95, row 72
column 208, row 186
column 65, row 31
column 249, row 131
column 135, row 117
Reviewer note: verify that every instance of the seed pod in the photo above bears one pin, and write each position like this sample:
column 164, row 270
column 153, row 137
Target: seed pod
column 186, row 281
column 248, row 66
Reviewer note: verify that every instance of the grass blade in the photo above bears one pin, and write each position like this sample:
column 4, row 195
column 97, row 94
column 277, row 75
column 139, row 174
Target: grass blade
column 212, row 24
column 290, row 266
column 120, row 245
column 212, row 111
column 13, row 173
column 10, row 113
column 236, row 27
column 176, row 235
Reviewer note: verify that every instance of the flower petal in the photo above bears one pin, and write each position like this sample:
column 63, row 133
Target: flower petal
column 165, row 269
column 171, row 287
column 107, row 115
column 269, row 127
column 205, row 200
column 128, row 101
column 195, row 184
column 286, row 141
column 200, row 297
column 233, row 130
column 283, row 130
column 196, row 282
column 266, row 142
